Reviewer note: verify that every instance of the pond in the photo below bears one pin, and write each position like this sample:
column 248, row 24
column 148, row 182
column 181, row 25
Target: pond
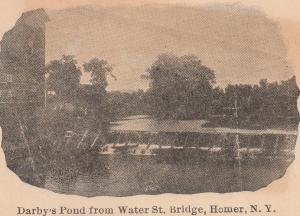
column 125, row 175
column 172, row 170
column 145, row 123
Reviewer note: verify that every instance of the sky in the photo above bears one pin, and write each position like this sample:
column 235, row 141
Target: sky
column 283, row 12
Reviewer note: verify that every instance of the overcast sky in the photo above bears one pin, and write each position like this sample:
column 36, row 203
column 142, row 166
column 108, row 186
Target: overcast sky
column 10, row 10
column 233, row 62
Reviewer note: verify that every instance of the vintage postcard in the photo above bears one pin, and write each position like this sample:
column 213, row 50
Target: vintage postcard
column 149, row 107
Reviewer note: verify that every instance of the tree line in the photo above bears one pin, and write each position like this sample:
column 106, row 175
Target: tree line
column 182, row 88
column 65, row 74
column 69, row 104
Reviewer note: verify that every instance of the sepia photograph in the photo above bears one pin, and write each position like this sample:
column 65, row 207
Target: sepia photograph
column 147, row 99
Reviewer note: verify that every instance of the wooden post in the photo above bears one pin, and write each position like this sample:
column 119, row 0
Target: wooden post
column 33, row 166
column 176, row 138
column 69, row 140
column 118, row 140
column 149, row 143
column 41, row 153
column 262, row 142
column 276, row 145
column 185, row 140
column 160, row 142
column 193, row 142
column 211, row 145
column 248, row 144
column 95, row 140
column 139, row 139
column 200, row 136
column 168, row 141
column 237, row 164
column 238, row 176
column 237, row 147
column 287, row 140
column 83, row 137
column 126, row 139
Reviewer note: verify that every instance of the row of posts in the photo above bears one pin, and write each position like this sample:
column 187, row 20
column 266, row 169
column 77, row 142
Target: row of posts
column 272, row 143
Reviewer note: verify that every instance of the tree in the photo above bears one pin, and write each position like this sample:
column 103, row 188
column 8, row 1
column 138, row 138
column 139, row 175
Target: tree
column 266, row 104
column 64, row 76
column 180, row 87
column 122, row 104
column 99, row 70
column 95, row 95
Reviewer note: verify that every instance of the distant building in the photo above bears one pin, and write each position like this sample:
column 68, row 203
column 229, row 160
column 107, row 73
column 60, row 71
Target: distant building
column 22, row 60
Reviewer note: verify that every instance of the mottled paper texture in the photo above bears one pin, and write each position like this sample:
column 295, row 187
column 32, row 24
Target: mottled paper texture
column 166, row 107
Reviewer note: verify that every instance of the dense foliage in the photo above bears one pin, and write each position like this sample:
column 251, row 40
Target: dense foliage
column 262, row 105
column 270, row 104
column 71, row 100
column 180, row 87
column 99, row 70
column 64, row 77
column 123, row 104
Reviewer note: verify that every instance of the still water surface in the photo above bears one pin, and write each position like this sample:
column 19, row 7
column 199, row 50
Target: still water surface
column 144, row 123
column 124, row 175
column 172, row 170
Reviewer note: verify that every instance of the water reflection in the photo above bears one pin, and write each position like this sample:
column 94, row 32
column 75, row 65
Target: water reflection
column 184, row 162
column 123, row 175
column 145, row 123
